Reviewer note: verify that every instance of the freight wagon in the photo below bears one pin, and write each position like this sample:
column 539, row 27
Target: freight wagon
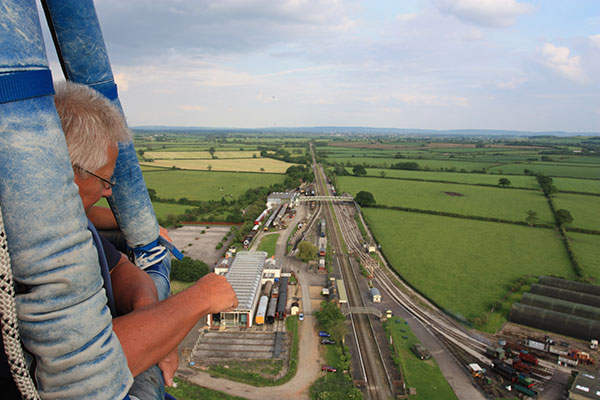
column 528, row 357
column 267, row 289
column 271, row 309
column 322, row 228
column 282, row 301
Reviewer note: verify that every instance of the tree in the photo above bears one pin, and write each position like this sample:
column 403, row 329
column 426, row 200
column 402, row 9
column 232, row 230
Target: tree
column 332, row 320
column 531, row 217
column 382, row 174
column 365, row 199
column 262, row 169
column 504, row 182
column 306, row 251
column 359, row 170
column 212, row 152
column 188, row 269
column 209, row 167
column 563, row 216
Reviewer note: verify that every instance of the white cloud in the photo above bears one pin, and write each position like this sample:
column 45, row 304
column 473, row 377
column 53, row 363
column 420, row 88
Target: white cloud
column 595, row 39
column 495, row 13
column 557, row 59
column 122, row 82
column 191, row 107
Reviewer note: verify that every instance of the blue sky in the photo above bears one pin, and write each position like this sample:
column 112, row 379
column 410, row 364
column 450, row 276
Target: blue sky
column 429, row 64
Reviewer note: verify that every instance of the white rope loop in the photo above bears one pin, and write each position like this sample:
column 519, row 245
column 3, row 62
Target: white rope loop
column 10, row 328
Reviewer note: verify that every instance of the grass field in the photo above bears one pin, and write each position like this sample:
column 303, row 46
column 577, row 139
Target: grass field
column 572, row 171
column 424, row 375
column 268, row 243
column 240, row 165
column 204, row 185
column 189, row 391
column 587, row 249
column 577, row 185
column 522, row 181
column 174, row 155
column 463, row 265
column 585, row 210
column 423, row 163
column 162, row 210
column 510, row 204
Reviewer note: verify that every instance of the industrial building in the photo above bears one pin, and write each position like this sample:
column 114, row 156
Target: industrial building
column 585, row 386
column 561, row 306
column 245, row 276
column 247, row 273
column 276, row 199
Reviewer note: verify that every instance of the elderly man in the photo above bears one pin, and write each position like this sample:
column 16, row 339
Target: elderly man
column 149, row 331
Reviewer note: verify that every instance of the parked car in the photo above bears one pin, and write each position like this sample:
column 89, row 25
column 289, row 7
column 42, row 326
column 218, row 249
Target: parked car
column 327, row 341
column 328, row 368
column 301, row 317
column 324, row 334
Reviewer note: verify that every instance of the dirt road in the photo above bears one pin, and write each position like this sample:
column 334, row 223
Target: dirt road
column 309, row 369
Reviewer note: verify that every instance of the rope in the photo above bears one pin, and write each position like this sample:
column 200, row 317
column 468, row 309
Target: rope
column 10, row 328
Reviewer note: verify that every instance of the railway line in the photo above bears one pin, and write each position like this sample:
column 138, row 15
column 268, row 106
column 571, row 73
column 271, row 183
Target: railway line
column 378, row 384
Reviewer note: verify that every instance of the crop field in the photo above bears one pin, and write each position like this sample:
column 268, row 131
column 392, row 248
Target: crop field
column 522, row 181
column 236, row 165
column 584, row 209
column 571, row 171
column 587, row 248
column 174, row 155
column 204, row 185
column 470, row 264
column 510, row 204
column 577, row 185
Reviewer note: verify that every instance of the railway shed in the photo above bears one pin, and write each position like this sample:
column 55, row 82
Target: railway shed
column 276, row 199
column 564, row 307
column 585, row 386
column 245, row 275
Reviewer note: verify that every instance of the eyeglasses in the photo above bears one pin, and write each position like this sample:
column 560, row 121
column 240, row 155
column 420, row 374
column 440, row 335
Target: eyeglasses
column 105, row 183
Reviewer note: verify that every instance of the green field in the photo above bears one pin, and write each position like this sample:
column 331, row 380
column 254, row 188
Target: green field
column 548, row 169
column 587, row 249
column 463, row 265
column 204, row 185
column 268, row 243
column 174, row 155
column 585, row 210
column 577, row 185
column 425, row 164
column 189, row 391
column 162, row 210
column 510, row 204
column 424, row 375
column 522, row 181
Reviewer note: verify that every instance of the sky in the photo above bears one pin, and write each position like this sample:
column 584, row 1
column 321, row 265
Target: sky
column 421, row 64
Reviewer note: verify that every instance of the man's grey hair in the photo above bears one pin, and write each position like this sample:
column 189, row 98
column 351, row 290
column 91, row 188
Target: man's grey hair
column 90, row 122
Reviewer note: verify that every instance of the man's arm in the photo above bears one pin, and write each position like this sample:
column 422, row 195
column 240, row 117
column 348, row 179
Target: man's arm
column 150, row 333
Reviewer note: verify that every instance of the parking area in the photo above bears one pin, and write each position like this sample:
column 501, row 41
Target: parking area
column 199, row 241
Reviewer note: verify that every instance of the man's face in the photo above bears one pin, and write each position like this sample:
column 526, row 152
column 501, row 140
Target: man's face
column 91, row 189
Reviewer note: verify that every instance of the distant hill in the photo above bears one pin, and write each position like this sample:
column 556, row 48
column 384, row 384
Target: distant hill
column 359, row 130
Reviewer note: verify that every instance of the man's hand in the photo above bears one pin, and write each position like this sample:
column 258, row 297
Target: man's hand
column 168, row 366
column 218, row 293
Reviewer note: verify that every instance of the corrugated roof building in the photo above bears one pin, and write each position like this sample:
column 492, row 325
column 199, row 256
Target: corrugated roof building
column 244, row 275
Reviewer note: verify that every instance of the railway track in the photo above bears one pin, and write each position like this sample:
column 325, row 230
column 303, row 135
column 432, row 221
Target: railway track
column 378, row 384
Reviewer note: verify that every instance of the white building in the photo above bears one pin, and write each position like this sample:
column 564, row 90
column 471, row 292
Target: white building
column 245, row 276
column 276, row 199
